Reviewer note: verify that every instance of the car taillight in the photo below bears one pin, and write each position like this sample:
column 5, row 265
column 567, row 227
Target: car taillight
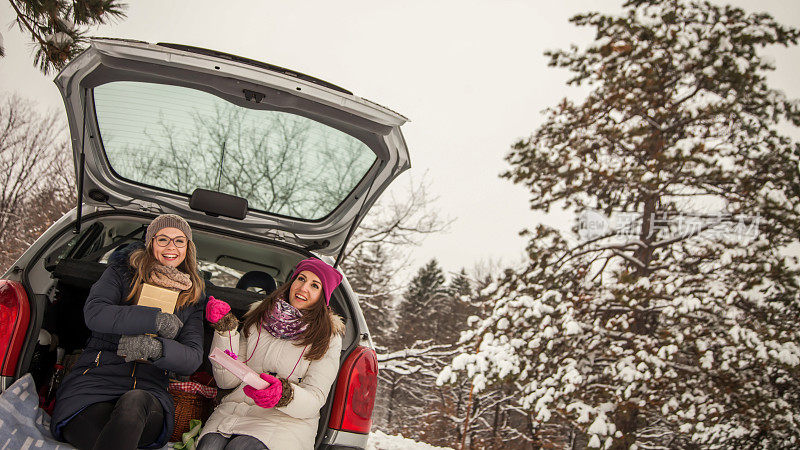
column 355, row 392
column 14, row 316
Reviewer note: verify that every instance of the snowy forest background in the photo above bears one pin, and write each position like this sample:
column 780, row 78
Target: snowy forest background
column 665, row 318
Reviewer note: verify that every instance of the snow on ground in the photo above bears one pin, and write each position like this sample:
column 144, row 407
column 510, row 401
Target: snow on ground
column 378, row 440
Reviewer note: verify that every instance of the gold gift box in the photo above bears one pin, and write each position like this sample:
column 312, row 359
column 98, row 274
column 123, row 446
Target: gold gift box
column 158, row 297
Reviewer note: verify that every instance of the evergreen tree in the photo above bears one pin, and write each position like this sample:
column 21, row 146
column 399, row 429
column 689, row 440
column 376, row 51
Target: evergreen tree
column 678, row 327
column 369, row 270
column 423, row 345
column 377, row 251
column 461, row 299
column 426, row 285
column 461, row 284
column 59, row 27
column 425, row 302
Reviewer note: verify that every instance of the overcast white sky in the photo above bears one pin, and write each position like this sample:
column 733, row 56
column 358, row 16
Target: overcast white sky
column 470, row 75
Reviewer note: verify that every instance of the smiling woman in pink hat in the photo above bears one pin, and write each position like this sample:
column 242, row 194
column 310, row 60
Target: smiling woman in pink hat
column 293, row 339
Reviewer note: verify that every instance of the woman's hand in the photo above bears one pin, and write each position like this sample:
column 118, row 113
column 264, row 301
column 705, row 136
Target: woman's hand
column 273, row 394
column 140, row 346
column 219, row 315
column 168, row 325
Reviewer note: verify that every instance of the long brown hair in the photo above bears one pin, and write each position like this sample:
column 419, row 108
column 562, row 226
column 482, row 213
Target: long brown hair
column 318, row 318
column 143, row 261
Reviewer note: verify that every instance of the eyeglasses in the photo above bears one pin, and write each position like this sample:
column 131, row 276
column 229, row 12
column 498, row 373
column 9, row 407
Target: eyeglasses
column 163, row 241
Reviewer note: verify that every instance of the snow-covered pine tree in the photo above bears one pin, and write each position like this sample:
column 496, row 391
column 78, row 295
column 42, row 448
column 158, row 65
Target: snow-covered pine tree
column 488, row 420
column 425, row 302
column 378, row 250
column 679, row 328
column 423, row 352
column 461, row 285
column 59, row 27
column 369, row 270
column 427, row 284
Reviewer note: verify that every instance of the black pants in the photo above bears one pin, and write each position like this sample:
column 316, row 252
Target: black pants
column 134, row 420
column 216, row 441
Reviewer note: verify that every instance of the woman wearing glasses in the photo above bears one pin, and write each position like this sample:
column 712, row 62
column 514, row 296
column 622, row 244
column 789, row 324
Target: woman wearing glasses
column 116, row 394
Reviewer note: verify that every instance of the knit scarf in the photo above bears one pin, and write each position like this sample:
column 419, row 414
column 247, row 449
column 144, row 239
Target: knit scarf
column 169, row 277
column 285, row 322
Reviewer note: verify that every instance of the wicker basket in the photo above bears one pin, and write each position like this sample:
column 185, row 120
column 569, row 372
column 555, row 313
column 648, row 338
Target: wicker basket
column 188, row 406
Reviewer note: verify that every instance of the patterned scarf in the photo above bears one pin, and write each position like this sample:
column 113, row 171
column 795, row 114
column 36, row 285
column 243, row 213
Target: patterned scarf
column 169, row 277
column 285, row 322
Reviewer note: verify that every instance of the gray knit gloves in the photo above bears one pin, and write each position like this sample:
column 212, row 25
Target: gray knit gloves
column 139, row 347
column 146, row 347
column 168, row 325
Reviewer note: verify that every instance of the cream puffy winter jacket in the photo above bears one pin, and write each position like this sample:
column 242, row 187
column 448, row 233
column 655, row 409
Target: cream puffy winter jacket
column 293, row 426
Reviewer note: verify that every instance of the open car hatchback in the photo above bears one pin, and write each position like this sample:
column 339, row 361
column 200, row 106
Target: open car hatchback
column 267, row 165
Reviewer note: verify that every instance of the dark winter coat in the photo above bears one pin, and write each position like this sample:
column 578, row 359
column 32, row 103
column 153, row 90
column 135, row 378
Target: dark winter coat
column 100, row 375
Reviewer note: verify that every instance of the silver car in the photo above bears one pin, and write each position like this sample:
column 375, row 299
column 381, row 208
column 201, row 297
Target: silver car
column 268, row 165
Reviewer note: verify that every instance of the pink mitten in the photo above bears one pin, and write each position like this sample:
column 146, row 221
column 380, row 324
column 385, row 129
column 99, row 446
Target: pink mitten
column 216, row 309
column 269, row 396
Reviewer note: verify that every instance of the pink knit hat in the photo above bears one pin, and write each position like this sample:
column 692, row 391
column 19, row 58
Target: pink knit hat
column 329, row 276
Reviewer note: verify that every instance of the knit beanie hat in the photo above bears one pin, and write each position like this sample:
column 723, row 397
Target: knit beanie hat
column 167, row 221
column 329, row 276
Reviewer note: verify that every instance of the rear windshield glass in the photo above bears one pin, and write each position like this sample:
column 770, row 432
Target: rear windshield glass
column 179, row 139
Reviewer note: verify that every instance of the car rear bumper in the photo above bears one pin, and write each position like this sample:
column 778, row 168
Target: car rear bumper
column 336, row 439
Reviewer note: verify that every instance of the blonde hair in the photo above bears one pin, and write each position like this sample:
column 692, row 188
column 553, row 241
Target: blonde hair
column 142, row 261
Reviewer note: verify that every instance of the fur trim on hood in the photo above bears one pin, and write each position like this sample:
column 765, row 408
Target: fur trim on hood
column 336, row 323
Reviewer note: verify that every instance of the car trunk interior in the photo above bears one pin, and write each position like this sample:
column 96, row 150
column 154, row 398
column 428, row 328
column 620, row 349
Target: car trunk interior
column 63, row 274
